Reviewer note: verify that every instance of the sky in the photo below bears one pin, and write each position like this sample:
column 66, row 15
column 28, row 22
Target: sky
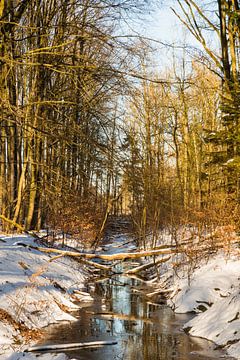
column 164, row 26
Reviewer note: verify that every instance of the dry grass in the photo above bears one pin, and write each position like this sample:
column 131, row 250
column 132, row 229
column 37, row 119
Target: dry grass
column 24, row 332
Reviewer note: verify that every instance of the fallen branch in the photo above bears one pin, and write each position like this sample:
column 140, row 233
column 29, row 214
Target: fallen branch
column 87, row 262
column 147, row 266
column 96, row 265
column 123, row 244
column 136, row 277
column 70, row 346
column 153, row 303
column 110, row 257
column 84, row 261
column 56, row 257
column 19, row 227
column 159, row 291
column 82, row 293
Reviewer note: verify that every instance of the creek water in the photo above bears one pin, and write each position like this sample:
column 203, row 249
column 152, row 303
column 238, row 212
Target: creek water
column 143, row 330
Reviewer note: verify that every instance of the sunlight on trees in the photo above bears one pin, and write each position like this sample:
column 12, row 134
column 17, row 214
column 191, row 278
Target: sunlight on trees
column 83, row 122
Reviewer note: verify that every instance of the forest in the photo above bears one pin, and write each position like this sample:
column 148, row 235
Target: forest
column 120, row 179
column 84, row 121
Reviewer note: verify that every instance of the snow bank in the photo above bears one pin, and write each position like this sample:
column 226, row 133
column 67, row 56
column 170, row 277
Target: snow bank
column 214, row 294
column 6, row 334
column 25, row 356
column 34, row 292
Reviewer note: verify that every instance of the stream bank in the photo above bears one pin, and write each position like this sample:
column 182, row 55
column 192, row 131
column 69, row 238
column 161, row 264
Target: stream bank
column 142, row 329
column 118, row 309
column 34, row 293
column 121, row 312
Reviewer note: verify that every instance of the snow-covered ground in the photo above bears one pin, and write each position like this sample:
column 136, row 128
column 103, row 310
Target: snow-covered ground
column 213, row 292
column 34, row 292
column 26, row 356
column 208, row 285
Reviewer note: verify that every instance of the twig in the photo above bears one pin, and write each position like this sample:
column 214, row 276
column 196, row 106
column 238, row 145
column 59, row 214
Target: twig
column 147, row 266
column 69, row 346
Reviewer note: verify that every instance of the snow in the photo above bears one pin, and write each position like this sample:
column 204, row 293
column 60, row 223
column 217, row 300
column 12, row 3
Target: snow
column 229, row 161
column 34, row 292
column 213, row 292
column 208, row 284
column 6, row 334
column 25, row 356
column 220, row 323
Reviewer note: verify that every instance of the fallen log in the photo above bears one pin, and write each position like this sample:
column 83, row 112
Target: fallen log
column 18, row 226
column 85, row 261
column 137, row 277
column 147, row 266
column 159, row 292
column 153, row 303
column 96, row 265
column 69, row 346
column 110, row 257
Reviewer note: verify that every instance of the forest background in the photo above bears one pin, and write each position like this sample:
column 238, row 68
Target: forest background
column 88, row 128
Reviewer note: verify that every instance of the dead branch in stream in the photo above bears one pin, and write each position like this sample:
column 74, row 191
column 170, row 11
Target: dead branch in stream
column 131, row 255
column 96, row 265
column 159, row 292
column 147, row 266
column 85, row 262
column 70, row 346
column 110, row 257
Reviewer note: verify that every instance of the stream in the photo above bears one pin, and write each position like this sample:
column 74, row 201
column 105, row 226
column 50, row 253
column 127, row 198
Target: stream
column 143, row 330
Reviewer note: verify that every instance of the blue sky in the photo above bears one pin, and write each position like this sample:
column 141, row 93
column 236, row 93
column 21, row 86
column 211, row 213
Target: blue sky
column 164, row 26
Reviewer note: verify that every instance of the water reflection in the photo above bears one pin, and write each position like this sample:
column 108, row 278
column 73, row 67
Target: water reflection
column 143, row 331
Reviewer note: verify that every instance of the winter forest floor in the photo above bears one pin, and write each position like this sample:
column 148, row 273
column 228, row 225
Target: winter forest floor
column 38, row 289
